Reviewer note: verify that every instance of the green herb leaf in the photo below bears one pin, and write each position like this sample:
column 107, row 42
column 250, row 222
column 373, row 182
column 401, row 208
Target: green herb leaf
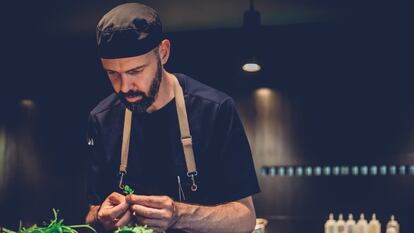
column 128, row 190
column 55, row 226
column 135, row 229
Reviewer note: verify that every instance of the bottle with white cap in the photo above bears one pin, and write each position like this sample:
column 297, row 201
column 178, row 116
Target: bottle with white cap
column 341, row 224
column 393, row 226
column 374, row 226
column 350, row 225
column 330, row 225
column 362, row 225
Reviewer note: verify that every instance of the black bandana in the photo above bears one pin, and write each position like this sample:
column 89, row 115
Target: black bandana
column 128, row 30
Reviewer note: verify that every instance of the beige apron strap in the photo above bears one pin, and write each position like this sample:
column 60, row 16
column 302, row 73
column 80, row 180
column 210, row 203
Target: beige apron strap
column 186, row 138
column 125, row 145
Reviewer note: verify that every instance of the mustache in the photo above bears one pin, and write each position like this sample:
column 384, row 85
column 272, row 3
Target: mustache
column 132, row 93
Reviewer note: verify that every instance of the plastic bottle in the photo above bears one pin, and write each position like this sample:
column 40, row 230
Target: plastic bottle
column 362, row 225
column 350, row 225
column 330, row 225
column 393, row 226
column 341, row 224
column 374, row 225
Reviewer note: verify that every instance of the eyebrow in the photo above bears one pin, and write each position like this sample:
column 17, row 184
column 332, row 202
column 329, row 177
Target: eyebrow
column 135, row 68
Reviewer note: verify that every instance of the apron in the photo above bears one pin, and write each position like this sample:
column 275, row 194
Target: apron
column 186, row 141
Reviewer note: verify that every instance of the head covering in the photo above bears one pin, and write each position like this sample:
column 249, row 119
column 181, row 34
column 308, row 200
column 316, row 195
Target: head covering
column 128, row 30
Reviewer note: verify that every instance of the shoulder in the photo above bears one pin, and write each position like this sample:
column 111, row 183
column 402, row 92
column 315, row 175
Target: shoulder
column 198, row 91
column 105, row 105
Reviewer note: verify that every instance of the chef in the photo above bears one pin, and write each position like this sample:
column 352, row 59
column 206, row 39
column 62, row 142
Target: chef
column 178, row 143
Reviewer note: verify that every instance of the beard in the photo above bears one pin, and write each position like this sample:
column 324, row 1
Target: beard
column 147, row 100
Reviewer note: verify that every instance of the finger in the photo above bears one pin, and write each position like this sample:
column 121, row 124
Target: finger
column 118, row 210
column 108, row 225
column 148, row 212
column 124, row 220
column 115, row 212
column 150, row 201
column 116, row 198
column 113, row 199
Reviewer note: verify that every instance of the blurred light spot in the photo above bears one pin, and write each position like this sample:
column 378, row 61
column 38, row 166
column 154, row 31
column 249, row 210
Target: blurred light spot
column 281, row 171
column 383, row 170
column 327, row 171
column 272, row 171
column 402, row 170
column 263, row 93
column 251, row 67
column 308, row 171
column 355, row 170
column 374, row 170
column 3, row 163
column 264, row 171
column 290, row 171
column 27, row 103
column 393, row 170
column 317, row 171
column 344, row 170
column 364, row 170
column 411, row 170
column 299, row 171
column 335, row 171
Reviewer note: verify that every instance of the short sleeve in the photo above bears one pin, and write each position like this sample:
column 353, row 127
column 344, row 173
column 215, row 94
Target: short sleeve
column 238, row 179
column 96, row 187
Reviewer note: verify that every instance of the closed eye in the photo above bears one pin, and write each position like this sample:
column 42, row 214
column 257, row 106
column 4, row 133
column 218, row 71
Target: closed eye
column 134, row 72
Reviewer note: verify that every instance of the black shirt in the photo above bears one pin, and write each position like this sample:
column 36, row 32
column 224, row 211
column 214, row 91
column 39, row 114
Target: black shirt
column 222, row 153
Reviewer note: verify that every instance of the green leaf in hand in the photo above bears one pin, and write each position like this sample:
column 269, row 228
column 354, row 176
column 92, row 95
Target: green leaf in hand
column 128, row 190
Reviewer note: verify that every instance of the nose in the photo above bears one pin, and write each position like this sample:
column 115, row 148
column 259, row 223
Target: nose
column 126, row 84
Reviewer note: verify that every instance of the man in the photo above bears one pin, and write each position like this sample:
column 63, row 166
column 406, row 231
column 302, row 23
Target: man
column 178, row 142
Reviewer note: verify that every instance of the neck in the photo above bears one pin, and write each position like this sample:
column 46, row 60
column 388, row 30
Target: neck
column 165, row 93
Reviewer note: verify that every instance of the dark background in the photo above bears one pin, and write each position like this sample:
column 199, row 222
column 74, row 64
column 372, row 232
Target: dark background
column 345, row 76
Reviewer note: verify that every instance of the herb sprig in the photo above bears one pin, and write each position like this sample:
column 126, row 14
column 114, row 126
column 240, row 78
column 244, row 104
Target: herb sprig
column 55, row 226
column 135, row 229
column 128, row 190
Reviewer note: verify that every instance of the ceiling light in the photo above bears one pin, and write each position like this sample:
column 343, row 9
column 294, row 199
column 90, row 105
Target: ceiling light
column 251, row 67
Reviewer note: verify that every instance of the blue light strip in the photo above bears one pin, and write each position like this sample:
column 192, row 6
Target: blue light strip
column 372, row 170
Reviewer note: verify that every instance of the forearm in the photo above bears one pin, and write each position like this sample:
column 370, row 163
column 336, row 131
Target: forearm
column 230, row 217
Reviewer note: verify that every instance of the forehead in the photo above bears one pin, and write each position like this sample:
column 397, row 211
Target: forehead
column 126, row 63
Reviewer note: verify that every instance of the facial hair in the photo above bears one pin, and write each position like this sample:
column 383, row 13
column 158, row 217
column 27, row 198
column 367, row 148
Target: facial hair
column 146, row 101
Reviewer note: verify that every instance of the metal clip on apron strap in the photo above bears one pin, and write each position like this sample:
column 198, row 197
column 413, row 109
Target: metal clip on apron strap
column 186, row 139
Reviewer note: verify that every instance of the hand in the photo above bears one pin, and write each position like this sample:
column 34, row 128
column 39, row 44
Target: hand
column 157, row 212
column 114, row 212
